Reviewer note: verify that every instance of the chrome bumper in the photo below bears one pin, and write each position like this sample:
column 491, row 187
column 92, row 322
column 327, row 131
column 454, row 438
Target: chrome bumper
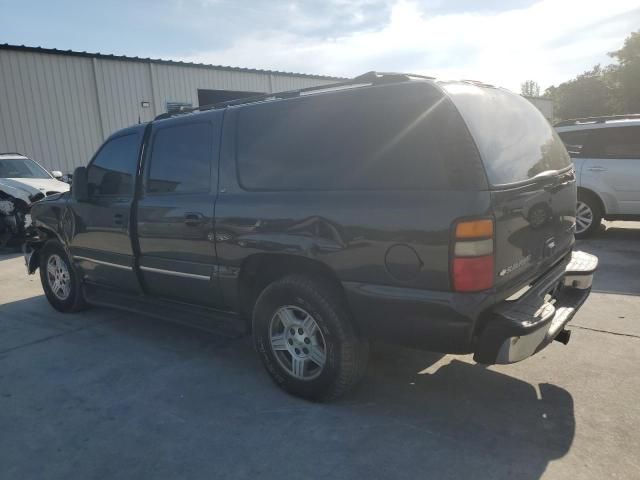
column 523, row 327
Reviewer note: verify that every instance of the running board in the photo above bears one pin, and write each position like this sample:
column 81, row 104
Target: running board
column 208, row 319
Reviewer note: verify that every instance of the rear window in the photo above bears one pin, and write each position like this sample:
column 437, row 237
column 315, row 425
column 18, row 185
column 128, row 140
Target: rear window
column 403, row 136
column 515, row 141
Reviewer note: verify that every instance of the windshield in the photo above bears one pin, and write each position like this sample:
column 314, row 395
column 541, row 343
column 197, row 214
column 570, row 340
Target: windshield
column 21, row 168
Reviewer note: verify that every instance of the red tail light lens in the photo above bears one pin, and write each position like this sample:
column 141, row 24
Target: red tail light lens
column 472, row 274
column 472, row 264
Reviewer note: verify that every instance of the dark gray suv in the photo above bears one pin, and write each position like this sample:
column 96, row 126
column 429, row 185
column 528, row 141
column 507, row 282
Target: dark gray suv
column 438, row 215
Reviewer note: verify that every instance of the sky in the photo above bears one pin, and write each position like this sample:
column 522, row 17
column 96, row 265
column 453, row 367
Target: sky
column 499, row 42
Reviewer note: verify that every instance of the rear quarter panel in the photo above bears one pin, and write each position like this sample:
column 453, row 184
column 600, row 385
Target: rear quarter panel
column 352, row 232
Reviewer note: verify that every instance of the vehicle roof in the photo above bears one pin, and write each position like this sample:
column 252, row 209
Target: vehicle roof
column 367, row 80
column 132, row 129
column 13, row 155
column 589, row 123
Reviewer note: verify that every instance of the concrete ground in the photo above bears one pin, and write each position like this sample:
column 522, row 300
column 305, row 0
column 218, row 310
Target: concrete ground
column 107, row 394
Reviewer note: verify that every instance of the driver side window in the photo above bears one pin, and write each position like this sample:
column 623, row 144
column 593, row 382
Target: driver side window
column 113, row 170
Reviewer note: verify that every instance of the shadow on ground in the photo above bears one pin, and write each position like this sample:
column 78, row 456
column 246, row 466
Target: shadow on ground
column 104, row 393
column 9, row 253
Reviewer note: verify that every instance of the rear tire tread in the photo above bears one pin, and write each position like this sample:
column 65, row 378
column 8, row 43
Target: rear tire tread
column 324, row 296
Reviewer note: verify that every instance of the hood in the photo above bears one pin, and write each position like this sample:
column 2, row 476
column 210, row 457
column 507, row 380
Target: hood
column 25, row 188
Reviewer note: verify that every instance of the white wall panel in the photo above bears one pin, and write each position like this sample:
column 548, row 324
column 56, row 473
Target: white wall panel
column 47, row 110
column 58, row 108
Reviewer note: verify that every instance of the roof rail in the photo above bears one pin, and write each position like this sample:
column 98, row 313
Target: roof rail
column 14, row 153
column 372, row 78
column 595, row 120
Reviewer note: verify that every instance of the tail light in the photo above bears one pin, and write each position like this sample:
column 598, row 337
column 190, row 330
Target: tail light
column 472, row 264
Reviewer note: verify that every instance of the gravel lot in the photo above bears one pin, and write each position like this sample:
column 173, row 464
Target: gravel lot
column 108, row 394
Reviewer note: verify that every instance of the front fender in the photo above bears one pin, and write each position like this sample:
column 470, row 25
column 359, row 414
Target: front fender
column 31, row 256
column 47, row 218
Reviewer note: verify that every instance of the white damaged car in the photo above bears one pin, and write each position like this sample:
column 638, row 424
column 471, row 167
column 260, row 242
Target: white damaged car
column 23, row 181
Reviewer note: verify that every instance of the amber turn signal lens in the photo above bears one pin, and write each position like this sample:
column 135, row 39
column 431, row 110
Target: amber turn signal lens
column 475, row 229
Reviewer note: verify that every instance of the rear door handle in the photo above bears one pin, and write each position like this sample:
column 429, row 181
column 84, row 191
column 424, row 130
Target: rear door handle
column 597, row 169
column 117, row 219
column 193, row 219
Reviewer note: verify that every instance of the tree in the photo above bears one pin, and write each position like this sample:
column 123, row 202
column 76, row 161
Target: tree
column 530, row 88
column 614, row 89
column 625, row 79
column 586, row 95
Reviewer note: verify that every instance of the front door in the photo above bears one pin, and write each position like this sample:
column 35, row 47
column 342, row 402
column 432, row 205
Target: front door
column 98, row 230
column 175, row 210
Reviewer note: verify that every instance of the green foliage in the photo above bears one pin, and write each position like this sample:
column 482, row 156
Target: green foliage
column 530, row 88
column 625, row 79
column 614, row 89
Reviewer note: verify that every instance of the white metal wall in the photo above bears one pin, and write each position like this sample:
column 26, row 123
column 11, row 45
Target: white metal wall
column 545, row 105
column 59, row 108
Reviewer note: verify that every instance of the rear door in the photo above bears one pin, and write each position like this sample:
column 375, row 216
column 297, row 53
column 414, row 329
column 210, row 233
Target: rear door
column 175, row 211
column 532, row 181
column 98, row 229
column 612, row 167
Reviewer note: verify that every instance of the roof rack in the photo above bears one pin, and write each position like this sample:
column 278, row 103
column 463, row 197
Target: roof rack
column 14, row 153
column 371, row 78
column 595, row 120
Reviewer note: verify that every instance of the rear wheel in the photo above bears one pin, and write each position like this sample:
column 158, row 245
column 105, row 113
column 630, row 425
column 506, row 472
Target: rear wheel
column 59, row 280
column 306, row 340
column 588, row 215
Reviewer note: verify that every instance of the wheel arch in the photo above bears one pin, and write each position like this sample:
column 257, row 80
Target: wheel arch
column 595, row 196
column 261, row 269
column 45, row 235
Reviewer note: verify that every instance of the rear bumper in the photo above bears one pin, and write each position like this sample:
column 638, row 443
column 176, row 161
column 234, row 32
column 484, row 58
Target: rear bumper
column 518, row 329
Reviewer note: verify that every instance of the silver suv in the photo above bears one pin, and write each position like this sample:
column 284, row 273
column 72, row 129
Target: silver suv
column 606, row 154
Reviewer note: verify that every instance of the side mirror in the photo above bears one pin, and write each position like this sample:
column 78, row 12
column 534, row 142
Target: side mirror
column 57, row 174
column 80, row 186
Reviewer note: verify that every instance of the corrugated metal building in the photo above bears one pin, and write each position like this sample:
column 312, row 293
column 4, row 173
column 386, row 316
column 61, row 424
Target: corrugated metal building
column 58, row 106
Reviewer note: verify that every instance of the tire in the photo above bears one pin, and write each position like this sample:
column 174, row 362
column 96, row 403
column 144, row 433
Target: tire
column 69, row 300
column 588, row 215
column 292, row 300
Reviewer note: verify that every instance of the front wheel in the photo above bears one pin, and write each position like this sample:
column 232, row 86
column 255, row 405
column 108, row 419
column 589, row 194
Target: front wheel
column 306, row 340
column 59, row 279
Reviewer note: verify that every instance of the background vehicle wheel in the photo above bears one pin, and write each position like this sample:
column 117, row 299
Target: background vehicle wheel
column 59, row 280
column 306, row 340
column 588, row 215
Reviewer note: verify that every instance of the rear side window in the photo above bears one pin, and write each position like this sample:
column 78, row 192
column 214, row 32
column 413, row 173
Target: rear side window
column 615, row 142
column 112, row 171
column 515, row 141
column 181, row 159
column 392, row 137
column 575, row 142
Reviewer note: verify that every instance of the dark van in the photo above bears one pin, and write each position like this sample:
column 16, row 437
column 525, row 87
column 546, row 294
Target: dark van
column 438, row 215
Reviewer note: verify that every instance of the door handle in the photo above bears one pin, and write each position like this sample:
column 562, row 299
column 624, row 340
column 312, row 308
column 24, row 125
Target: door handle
column 193, row 219
column 117, row 219
column 597, row 169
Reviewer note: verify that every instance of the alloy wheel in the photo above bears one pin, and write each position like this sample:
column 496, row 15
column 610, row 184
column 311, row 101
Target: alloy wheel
column 584, row 217
column 297, row 342
column 58, row 277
